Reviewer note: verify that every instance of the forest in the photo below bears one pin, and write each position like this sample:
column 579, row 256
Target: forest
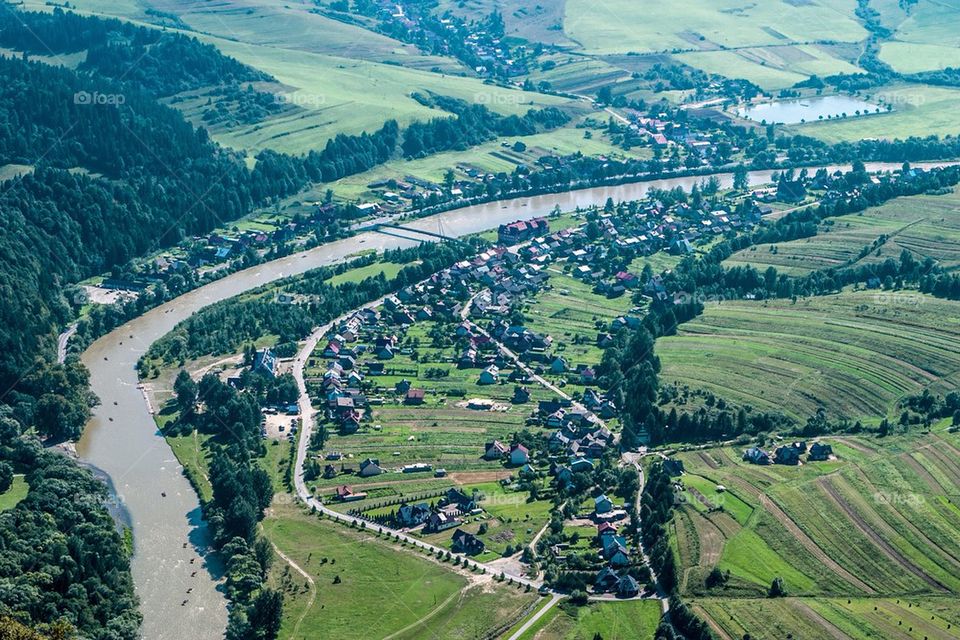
column 64, row 567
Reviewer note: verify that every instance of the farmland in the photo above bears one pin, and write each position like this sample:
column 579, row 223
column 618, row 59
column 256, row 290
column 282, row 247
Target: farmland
column 927, row 226
column 855, row 354
column 848, row 526
column 827, row 618
column 622, row 26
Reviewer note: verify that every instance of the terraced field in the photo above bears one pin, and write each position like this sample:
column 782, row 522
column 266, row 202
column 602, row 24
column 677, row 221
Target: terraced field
column 927, row 226
column 854, row 354
column 867, row 544
column 832, row 619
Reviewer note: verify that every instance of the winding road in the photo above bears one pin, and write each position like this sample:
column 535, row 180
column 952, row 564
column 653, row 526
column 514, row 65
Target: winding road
column 121, row 439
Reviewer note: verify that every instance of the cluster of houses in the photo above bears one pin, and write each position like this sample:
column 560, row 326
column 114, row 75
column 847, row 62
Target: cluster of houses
column 578, row 433
column 515, row 454
column 447, row 514
column 789, row 454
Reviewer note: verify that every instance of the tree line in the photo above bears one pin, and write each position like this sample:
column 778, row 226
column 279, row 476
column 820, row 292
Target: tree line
column 64, row 566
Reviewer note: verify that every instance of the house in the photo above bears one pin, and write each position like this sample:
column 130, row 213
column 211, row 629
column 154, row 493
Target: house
column 467, row 543
column 602, row 504
column 605, row 529
column 441, row 521
column 495, row 450
column 370, row 467
column 346, row 494
column 588, row 376
column 521, row 395
column 819, row 452
column 788, row 454
column 412, row 515
column 490, row 375
column 581, row 465
column 414, row 396
column 756, row 456
column 329, row 472
column 265, row 362
column 459, row 499
column 519, row 454
column 606, row 580
column 628, row 587
column 521, row 231
column 559, row 365
column 617, row 555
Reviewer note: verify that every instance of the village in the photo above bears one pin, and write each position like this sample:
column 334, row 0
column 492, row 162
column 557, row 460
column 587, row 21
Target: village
column 465, row 409
column 468, row 411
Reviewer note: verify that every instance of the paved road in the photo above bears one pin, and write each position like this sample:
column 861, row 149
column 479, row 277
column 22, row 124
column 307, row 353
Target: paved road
column 554, row 599
column 63, row 340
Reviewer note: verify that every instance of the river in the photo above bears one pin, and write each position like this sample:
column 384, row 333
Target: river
column 122, row 440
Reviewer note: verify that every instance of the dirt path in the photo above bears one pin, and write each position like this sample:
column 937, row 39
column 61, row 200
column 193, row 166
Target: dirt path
column 925, row 475
column 717, row 629
column 888, row 549
column 413, row 625
column 818, row 620
column 554, row 599
column 708, row 460
column 309, row 578
column 810, row 545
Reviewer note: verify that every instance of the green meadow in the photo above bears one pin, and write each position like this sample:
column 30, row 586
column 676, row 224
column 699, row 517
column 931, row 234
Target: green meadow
column 631, row 620
column 855, row 354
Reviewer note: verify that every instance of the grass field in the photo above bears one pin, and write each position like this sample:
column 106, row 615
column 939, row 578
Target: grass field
column 490, row 157
column 620, row 25
column 855, row 354
column 341, row 95
column 347, row 81
column 383, row 590
column 773, row 67
column 17, row 492
column 632, row 620
column 927, row 226
column 919, row 110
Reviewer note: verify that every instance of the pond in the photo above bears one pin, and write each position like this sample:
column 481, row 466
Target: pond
column 808, row 109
